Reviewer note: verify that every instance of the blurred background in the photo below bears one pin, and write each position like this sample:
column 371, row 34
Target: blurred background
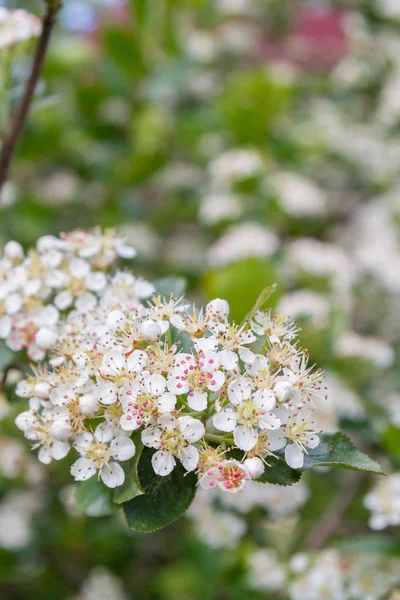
column 235, row 143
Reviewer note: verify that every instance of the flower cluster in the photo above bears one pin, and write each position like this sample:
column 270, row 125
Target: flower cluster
column 17, row 26
column 59, row 274
column 192, row 384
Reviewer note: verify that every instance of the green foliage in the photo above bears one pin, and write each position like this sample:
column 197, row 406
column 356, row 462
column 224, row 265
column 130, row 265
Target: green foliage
column 165, row 286
column 164, row 500
column 95, row 499
column 336, row 450
column 250, row 103
column 240, row 283
column 131, row 486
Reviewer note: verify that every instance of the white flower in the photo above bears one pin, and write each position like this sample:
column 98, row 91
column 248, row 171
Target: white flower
column 250, row 413
column 142, row 402
column 173, row 438
column 196, row 376
column 115, row 371
column 100, row 452
column 384, row 502
column 229, row 476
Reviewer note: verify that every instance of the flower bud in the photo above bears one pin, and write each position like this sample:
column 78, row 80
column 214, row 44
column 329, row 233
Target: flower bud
column 13, row 251
column 151, row 330
column 116, row 320
column 218, row 308
column 254, row 467
column 45, row 338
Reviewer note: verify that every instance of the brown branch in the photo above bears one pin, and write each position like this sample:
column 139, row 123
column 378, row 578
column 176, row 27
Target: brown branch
column 333, row 515
column 17, row 124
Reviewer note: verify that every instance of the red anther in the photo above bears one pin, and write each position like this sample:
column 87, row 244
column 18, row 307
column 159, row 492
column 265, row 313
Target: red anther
column 213, row 382
column 209, row 473
column 212, row 483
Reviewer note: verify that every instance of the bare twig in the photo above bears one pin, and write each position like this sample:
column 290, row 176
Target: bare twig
column 18, row 120
column 333, row 515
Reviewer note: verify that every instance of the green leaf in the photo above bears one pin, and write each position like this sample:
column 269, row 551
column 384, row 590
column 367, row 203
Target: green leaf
column 279, row 472
column 240, row 283
column 336, row 450
column 391, row 440
column 165, row 498
column 165, row 286
column 261, row 300
column 95, row 499
column 6, row 357
column 131, row 486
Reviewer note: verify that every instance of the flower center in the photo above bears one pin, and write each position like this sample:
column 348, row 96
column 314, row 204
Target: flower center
column 248, row 413
column 141, row 409
column 172, row 442
column 230, row 477
column 99, row 454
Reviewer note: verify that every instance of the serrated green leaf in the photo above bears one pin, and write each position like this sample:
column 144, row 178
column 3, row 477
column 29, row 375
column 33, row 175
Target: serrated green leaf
column 95, row 499
column 165, row 286
column 336, row 450
column 165, row 498
column 279, row 472
column 261, row 300
column 131, row 486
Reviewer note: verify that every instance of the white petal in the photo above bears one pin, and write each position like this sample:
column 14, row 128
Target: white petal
column 245, row 437
column 104, row 432
column 211, row 361
column 95, row 282
column 254, row 466
column 189, row 457
column 46, row 338
column 63, row 300
column 269, row 421
column 264, row 399
column 247, row 355
column 239, row 390
column 136, row 361
column 122, row 448
column 129, row 422
column 192, row 429
column 313, row 441
column 229, row 360
column 276, row 439
column 83, row 469
column 79, row 268
column 112, row 475
column 155, row 384
column 124, row 250
column 62, row 395
column 59, row 450
column 197, row 400
column 151, row 437
column 166, row 402
column 88, row 404
column 44, row 455
column 176, row 385
column 116, row 320
column 113, row 362
column 163, row 463
column 225, row 420
column 294, row 456
column 86, row 302
column 106, row 392
column 217, row 381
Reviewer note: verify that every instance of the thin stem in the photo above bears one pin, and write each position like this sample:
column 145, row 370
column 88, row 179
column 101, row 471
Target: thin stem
column 218, row 439
column 333, row 515
column 11, row 140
